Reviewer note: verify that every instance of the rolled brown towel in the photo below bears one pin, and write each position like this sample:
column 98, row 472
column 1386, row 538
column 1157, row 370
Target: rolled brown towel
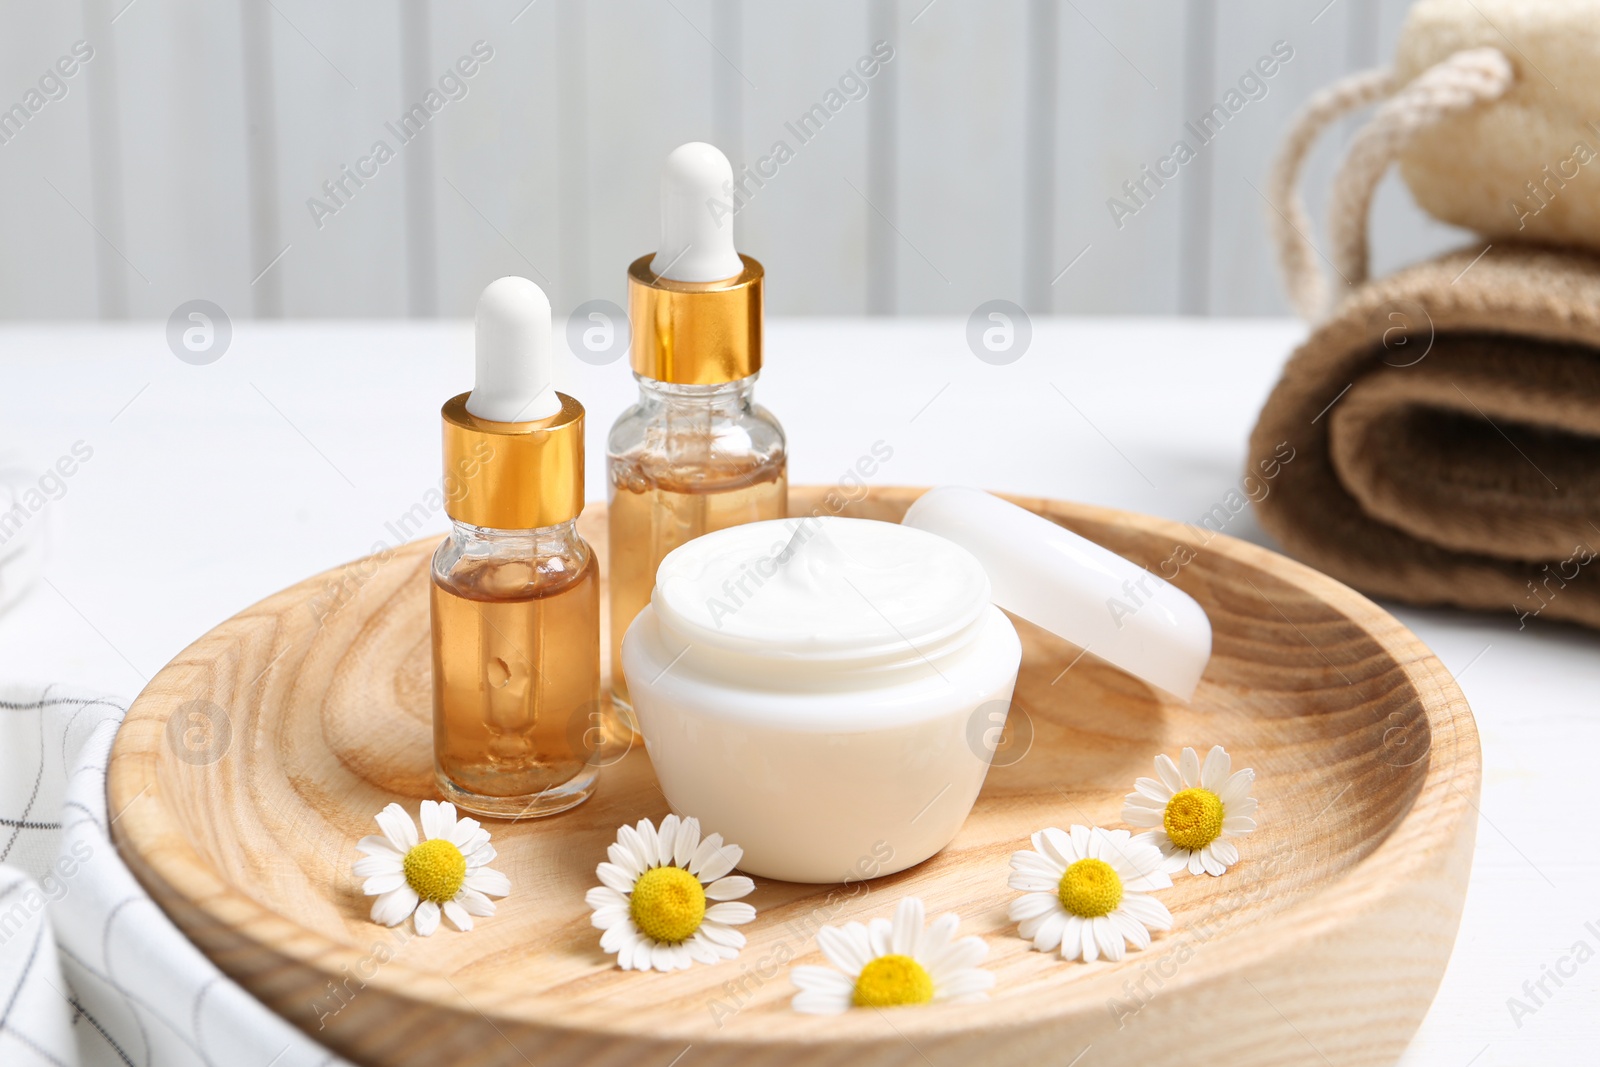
column 1445, row 422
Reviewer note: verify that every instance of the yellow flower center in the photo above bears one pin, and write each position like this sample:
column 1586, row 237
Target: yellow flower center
column 1194, row 818
column 667, row 904
column 1090, row 888
column 890, row 981
column 435, row 869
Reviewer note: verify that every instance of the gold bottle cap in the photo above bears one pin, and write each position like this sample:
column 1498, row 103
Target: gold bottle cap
column 513, row 475
column 695, row 333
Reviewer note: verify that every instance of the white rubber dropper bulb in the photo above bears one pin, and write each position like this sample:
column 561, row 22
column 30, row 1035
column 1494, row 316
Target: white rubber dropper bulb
column 515, row 354
column 696, row 244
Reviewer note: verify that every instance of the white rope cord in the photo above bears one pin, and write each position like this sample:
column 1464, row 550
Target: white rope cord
column 1460, row 83
column 1289, row 221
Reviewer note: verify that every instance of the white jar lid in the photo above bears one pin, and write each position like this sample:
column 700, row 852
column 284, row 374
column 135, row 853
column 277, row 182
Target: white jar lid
column 820, row 587
column 1079, row 591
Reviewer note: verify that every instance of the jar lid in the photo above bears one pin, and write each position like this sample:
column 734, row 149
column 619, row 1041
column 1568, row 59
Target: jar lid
column 1079, row 591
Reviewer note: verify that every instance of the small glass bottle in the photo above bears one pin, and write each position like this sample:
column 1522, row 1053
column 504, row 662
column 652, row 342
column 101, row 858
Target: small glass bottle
column 515, row 591
column 695, row 454
column 685, row 460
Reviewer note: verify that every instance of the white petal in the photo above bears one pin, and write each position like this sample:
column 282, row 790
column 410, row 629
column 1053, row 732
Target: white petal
column 475, row 902
column 1237, row 787
column 651, row 843
column 666, row 841
column 725, row 936
column 967, row 984
column 1214, row 774
column 379, row 845
column 618, row 936
column 1226, row 852
column 465, row 831
column 1033, row 883
column 386, row 882
column 1134, row 816
column 392, row 908
column 813, row 1002
column 614, row 877
column 1031, row 905
column 629, row 839
column 426, row 918
column 936, row 939
column 1210, row 863
column 1108, row 937
column 702, row 951
column 1091, row 946
column 603, row 896
column 1055, row 845
column 1150, row 912
column 433, row 822
column 397, row 827
column 661, row 956
column 732, row 912
column 1071, row 937
column 1080, row 842
column 1047, row 933
column 821, row 978
column 967, row 952
column 1035, row 862
column 1193, row 861
column 1189, row 768
column 1238, row 825
column 485, row 880
column 624, row 859
column 845, row 947
column 907, row 926
column 607, row 917
column 1151, row 790
column 718, row 860
column 732, row 887
column 1131, row 929
column 457, row 915
column 1246, row 807
column 881, row 933
column 480, row 852
column 688, row 840
column 377, row 866
column 1167, row 771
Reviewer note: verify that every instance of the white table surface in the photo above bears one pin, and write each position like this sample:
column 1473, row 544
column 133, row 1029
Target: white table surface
column 212, row 486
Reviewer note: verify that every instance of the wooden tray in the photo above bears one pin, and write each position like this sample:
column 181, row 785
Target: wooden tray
column 250, row 766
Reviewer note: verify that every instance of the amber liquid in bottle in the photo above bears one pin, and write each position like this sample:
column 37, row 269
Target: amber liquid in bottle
column 653, row 511
column 516, row 660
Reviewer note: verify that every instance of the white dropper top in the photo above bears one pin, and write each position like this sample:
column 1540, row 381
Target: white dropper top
column 696, row 244
column 515, row 354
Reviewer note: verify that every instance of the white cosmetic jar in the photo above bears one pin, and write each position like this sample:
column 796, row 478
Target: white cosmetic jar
column 819, row 691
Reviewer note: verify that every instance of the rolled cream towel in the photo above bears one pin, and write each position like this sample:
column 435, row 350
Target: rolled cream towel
column 1446, row 428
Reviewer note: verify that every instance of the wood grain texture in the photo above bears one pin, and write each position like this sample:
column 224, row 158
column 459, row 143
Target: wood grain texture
column 1325, row 944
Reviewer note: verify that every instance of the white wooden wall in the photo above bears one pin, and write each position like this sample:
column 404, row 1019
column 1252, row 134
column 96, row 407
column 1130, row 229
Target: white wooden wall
column 179, row 163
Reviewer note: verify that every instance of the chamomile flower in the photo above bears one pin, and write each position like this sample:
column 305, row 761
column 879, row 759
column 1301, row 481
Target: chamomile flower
column 1087, row 892
column 667, row 900
column 1196, row 811
column 445, row 872
column 886, row 964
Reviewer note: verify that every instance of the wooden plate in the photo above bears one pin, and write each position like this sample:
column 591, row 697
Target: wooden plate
column 251, row 765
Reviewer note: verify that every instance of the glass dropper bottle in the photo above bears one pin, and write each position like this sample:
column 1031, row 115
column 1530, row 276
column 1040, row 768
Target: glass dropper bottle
column 515, row 590
column 696, row 453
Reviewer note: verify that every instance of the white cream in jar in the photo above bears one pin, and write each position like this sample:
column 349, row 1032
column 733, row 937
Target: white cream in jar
column 823, row 691
column 809, row 687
